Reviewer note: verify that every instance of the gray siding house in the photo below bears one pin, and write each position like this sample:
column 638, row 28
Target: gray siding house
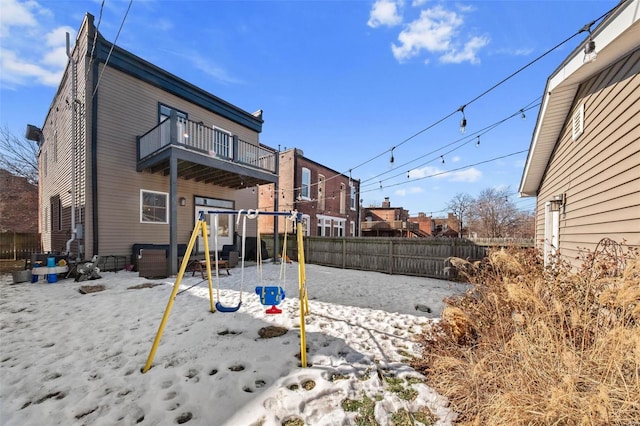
column 584, row 160
column 130, row 154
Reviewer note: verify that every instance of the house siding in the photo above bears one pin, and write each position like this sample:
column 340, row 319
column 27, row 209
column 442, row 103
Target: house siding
column 600, row 171
column 128, row 107
column 107, row 124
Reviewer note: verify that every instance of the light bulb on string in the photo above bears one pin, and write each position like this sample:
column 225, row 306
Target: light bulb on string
column 478, row 141
column 408, row 174
column 463, row 122
column 442, row 159
column 522, row 115
column 391, row 160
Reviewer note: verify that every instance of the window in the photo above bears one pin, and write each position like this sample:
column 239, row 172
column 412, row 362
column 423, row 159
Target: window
column 352, row 224
column 352, row 201
column 321, row 193
column 305, row 224
column 225, row 231
column 338, row 227
column 221, row 142
column 577, row 122
column 164, row 113
column 153, row 207
column 55, row 205
column 343, row 199
column 306, row 183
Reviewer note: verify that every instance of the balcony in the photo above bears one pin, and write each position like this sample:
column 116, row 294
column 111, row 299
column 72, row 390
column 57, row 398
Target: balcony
column 394, row 228
column 205, row 154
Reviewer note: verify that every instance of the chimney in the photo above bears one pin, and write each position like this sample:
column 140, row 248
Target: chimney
column 386, row 203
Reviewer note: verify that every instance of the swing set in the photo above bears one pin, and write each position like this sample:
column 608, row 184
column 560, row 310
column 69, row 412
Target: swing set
column 269, row 295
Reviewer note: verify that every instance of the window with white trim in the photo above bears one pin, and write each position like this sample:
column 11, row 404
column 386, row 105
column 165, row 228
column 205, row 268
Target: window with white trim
column 352, row 225
column 154, row 207
column 306, row 184
column 338, row 227
column 577, row 122
column 321, row 193
column 352, row 200
column 343, row 198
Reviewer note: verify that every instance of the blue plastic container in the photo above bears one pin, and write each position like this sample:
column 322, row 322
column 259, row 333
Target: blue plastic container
column 34, row 277
column 51, row 262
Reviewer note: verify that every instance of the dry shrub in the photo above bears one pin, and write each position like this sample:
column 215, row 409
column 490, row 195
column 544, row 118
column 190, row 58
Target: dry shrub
column 528, row 345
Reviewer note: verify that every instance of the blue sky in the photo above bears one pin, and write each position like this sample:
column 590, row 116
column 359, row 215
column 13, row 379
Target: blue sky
column 348, row 82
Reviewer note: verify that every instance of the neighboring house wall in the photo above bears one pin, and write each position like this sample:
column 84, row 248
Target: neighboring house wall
column 598, row 174
column 425, row 223
column 329, row 208
column 18, row 204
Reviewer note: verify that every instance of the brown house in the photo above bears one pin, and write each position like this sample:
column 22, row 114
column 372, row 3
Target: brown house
column 18, row 204
column 387, row 221
column 584, row 160
column 131, row 154
column 326, row 199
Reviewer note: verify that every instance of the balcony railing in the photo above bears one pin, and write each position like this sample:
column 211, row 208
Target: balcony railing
column 206, row 140
column 385, row 225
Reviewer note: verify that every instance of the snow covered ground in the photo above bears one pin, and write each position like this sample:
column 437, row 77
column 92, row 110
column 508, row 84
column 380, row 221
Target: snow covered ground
column 68, row 358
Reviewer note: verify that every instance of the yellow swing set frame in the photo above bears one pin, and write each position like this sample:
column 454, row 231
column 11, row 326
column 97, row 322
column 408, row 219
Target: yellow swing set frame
column 200, row 228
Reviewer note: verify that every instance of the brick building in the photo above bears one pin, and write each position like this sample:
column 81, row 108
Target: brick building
column 327, row 199
column 18, row 204
column 387, row 221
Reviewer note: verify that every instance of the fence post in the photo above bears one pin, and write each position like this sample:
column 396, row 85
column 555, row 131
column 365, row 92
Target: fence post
column 390, row 257
column 344, row 253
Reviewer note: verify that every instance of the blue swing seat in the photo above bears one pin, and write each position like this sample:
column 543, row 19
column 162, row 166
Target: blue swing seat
column 270, row 295
column 221, row 308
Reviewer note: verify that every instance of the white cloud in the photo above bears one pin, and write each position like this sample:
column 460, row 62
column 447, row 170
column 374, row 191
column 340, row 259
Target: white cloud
column 427, row 171
column 30, row 55
column 437, row 31
column 15, row 14
column 407, row 191
column 469, row 175
column 385, row 13
column 455, row 159
column 468, row 53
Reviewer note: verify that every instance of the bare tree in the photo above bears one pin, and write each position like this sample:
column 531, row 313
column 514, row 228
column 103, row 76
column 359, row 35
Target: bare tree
column 18, row 156
column 495, row 216
column 460, row 205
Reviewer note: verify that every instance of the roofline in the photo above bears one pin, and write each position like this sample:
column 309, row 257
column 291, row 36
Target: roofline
column 141, row 69
column 562, row 85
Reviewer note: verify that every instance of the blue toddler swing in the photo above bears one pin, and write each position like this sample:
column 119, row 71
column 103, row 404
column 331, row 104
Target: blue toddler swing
column 273, row 295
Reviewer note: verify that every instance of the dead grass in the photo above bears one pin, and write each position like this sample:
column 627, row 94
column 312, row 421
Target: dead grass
column 529, row 345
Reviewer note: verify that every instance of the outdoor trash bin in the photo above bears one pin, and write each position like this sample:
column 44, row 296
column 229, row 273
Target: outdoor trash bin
column 21, row 276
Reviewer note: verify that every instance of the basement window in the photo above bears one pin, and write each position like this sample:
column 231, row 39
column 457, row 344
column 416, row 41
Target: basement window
column 577, row 122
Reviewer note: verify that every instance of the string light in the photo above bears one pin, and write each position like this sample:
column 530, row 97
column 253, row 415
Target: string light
column 524, row 117
column 478, row 141
column 590, row 53
column 391, row 160
column 463, row 122
column 408, row 174
column 442, row 159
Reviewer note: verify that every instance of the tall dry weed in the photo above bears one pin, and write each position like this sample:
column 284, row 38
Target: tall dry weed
column 535, row 346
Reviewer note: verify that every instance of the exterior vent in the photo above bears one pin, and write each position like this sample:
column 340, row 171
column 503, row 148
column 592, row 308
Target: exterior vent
column 577, row 122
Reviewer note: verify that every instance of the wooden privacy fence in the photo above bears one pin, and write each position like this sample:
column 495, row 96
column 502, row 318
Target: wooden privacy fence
column 19, row 245
column 403, row 256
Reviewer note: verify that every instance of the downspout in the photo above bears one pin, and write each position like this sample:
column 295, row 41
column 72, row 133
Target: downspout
column 73, row 147
column 276, row 207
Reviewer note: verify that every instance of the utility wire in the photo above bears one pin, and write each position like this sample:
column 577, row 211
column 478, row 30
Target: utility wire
column 504, row 80
column 452, row 170
column 111, row 50
column 470, row 138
